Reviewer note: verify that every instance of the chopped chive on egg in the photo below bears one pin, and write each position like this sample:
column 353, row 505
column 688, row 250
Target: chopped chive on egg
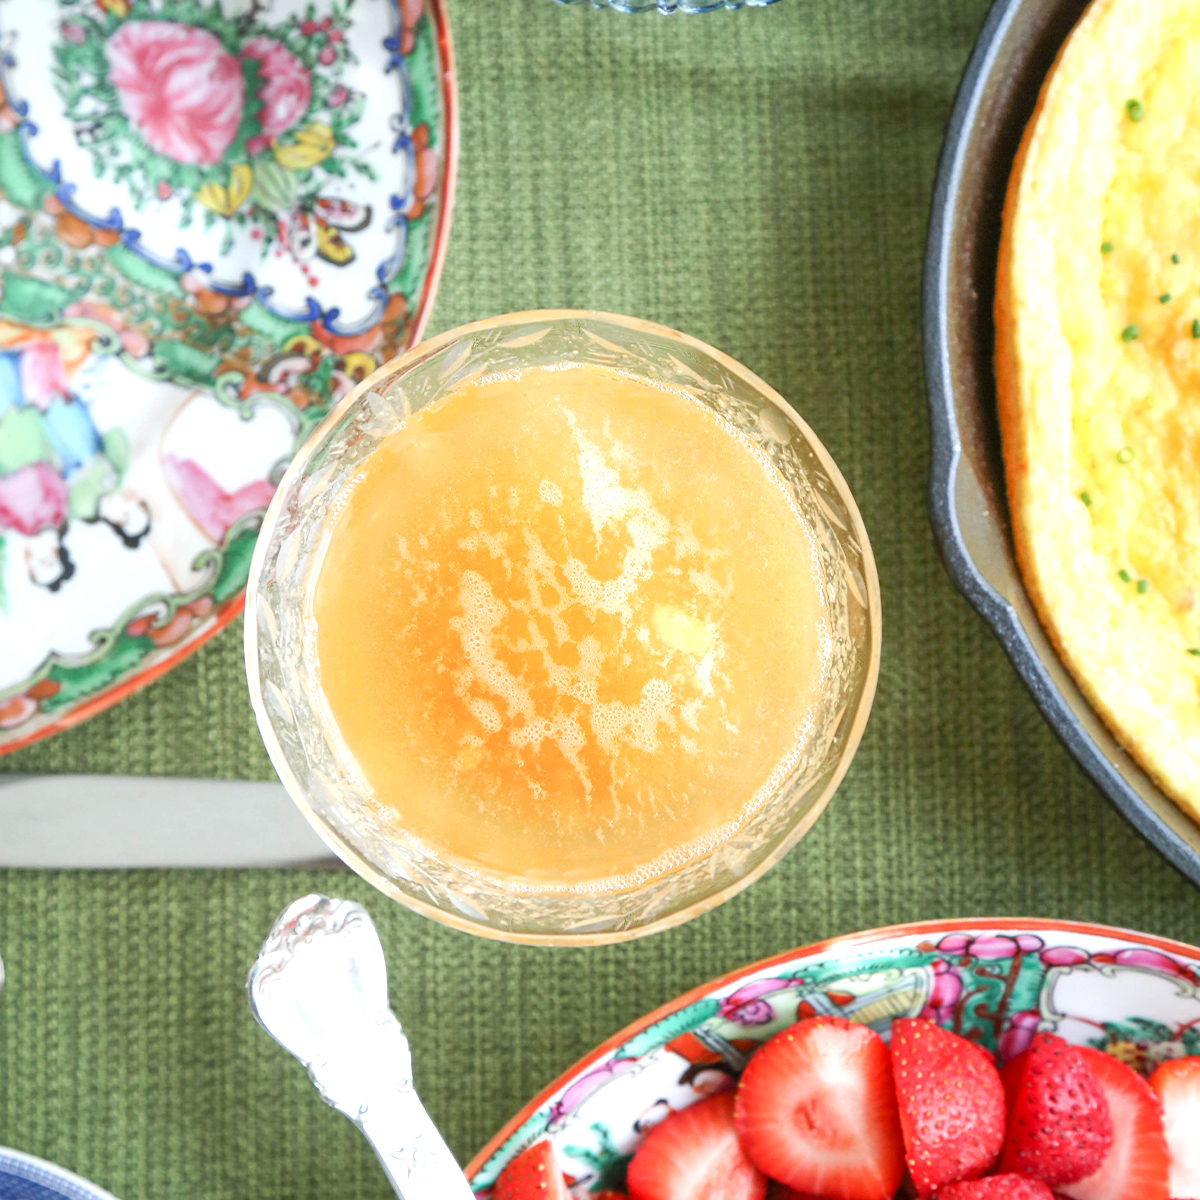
column 1106, row 247
column 1175, row 259
column 1164, row 298
column 1125, row 576
column 1129, row 333
column 1086, row 498
column 1143, row 586
column 1125, row 455
column 1134, row 110
column 1194, row 650
column 1196, row 328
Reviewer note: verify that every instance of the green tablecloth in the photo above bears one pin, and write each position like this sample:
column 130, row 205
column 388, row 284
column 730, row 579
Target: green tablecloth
column 759, row 179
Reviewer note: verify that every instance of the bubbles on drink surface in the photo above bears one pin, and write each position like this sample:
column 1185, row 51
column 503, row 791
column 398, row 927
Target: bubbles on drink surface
column 556, row 694
column 598, row 638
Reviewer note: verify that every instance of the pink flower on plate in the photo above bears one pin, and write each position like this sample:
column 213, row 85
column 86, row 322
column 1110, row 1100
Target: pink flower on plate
column 1063, row 956
column 1152, row 959
column 179, row 87
column 32, row 498
column 954, row 943
column 587, row 1084
column 746, row 1006
column 992, row 947
column 944, row 994
column 1019, row 1034
column 213, row 509
column 43, row 376
column 285, row 93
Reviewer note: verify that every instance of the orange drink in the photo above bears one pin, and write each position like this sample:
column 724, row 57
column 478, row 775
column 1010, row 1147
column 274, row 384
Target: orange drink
column 562, row 627
column 570, row 626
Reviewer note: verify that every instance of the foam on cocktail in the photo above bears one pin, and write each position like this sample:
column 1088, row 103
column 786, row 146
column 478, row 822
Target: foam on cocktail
column 570, row 626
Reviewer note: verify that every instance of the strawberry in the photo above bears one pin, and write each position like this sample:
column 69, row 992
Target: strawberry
column 1059, row 1129
column 998, row 1187
column 695, row 1155
column 1010, row 1076
column 1177, row 1085
column 951, row 1104
column 532, row 1175
column 816, row 1109
column 1136, row 1166
column 780, row 1191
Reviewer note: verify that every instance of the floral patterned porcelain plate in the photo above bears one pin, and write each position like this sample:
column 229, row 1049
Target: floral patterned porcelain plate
column 216, row 216
column 997, row 982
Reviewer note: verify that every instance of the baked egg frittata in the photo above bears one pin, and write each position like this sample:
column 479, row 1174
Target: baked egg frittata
column 1098, row 373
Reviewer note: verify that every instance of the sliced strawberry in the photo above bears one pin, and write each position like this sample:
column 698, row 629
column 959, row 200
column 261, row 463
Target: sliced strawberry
column 951, row 1104
column 998, row 1187
column 1010, row 1076
column 780, row 1191
column 816, row 1109
column 1059, row 1129
column 1136, row 1166
column 532, row 1175
column 695, row 1155
column 1177, row 1085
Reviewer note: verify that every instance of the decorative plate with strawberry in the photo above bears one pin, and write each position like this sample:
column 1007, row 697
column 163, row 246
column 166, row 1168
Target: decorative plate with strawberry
column 973, row 1060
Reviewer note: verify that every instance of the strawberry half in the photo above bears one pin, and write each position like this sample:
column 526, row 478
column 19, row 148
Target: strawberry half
column 998, row 1187
column 532, row 1175
column 1010, row 1075
column 1059, row 1128
column 1136, row 1166
column 1177, row 1085
column 695, row 1155
column 951, row 1104
column 816, row 1109
column 780, row 1191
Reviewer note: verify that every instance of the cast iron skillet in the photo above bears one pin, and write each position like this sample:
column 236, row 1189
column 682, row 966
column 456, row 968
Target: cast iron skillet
column 969, row 510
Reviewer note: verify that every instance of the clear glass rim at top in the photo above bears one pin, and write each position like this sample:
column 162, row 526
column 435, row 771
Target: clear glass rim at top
column 349, row 854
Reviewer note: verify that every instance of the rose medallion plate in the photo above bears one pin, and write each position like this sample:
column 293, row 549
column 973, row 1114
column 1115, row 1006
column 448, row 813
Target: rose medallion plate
column 216, row 216
column 996, row 982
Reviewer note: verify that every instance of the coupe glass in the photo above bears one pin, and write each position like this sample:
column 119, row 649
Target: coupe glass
column 302, row 738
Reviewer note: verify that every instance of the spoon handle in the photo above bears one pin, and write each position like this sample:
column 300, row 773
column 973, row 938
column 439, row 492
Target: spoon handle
column 319, row 987
column 418, row 1162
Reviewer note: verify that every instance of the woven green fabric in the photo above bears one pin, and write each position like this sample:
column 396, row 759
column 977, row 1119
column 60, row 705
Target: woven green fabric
column 759, row 179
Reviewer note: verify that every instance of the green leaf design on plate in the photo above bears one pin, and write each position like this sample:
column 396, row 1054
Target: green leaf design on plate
column 424, row 73
column 666, row 1030
column 77, row 683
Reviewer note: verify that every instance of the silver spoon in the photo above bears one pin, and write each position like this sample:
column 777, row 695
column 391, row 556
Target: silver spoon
column 319, row 988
